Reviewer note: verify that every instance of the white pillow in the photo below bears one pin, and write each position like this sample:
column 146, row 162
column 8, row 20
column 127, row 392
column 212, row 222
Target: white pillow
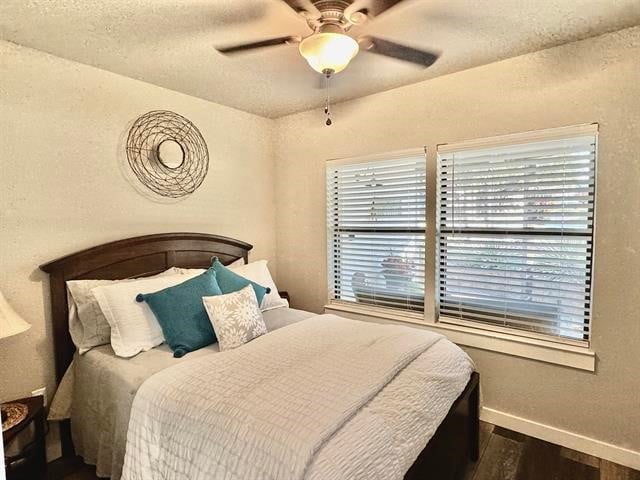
column 189, row 271
column 134, row 328
column 259, row 272
column 87, row 325
column 235, row 317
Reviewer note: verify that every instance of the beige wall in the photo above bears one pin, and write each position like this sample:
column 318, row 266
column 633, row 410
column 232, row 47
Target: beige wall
column 61, row 187
column 597, row 80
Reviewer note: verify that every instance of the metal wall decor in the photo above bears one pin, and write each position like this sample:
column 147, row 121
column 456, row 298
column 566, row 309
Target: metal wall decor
column 167, row 153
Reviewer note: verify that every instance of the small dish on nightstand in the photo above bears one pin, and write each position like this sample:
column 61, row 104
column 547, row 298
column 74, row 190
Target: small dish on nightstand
column 13, row 414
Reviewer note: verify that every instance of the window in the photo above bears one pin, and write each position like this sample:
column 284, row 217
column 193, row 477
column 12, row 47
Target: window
column 515, row 232
column 376, row 231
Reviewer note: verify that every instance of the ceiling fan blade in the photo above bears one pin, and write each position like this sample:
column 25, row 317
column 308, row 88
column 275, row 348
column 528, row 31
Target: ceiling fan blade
column 396, row 50
column 371, row 8
column 272, row 42
column 304, row 7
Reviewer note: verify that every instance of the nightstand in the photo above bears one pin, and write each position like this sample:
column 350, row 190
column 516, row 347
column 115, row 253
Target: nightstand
column 31, row 461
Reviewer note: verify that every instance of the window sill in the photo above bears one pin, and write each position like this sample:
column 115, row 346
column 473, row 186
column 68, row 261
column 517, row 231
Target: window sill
column 581, row 358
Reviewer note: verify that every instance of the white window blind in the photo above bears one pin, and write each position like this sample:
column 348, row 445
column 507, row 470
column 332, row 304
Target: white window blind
column 376, row 231
column 515, row 233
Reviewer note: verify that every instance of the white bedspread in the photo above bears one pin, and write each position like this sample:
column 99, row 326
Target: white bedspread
column 276, row 407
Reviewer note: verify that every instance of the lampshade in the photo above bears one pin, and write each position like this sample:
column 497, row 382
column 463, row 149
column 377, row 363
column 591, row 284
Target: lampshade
column 329, row 52
column 10, row 322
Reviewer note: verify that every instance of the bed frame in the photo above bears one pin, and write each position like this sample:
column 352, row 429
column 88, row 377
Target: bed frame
column 444, row 457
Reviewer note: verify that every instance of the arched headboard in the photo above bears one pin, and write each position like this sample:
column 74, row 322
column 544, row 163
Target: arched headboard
column 131, row 257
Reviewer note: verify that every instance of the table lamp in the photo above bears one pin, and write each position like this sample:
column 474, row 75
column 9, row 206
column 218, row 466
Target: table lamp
column 11, row 324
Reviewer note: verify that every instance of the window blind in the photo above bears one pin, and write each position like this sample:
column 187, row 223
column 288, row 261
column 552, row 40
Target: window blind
column 376, row 232
column 515, row 234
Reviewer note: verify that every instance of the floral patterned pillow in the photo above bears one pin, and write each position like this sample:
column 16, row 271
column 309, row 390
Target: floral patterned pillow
column 236, row 317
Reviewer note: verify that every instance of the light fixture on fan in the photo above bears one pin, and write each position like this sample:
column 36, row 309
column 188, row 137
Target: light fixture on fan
column 329, row 50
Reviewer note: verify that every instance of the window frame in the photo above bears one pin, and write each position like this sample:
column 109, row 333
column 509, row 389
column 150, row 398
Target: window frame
column 409, row 314
column 503, row 343
column 501, row 141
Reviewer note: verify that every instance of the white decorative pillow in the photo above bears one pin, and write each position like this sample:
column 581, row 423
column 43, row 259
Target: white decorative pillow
column 190, row 271
column 259, row 272
column 235, row 317
column 134, row 327
column 197, row 271
column 87, row 325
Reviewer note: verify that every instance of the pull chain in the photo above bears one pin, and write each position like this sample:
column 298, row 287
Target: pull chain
column 327, row 106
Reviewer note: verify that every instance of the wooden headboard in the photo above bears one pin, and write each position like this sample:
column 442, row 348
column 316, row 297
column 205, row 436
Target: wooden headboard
column 131, row 257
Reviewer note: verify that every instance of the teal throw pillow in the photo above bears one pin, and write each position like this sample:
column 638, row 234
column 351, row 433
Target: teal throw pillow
column 181, row 313
column 230, row 282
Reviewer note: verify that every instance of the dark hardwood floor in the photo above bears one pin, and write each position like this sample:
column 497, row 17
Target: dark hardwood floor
column 504, row 455
column 508, row 455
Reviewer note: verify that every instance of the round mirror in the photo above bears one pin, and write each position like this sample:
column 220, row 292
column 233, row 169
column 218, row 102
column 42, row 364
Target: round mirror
column 170, row 154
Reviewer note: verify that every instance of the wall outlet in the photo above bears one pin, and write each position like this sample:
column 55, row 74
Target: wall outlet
column 40, row 391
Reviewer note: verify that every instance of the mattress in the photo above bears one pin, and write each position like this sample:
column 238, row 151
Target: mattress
column 390, row 431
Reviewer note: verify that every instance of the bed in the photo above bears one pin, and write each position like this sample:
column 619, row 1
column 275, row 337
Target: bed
column 449, row 448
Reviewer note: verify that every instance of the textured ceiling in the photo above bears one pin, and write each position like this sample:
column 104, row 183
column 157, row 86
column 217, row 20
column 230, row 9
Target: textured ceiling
column 171, row 42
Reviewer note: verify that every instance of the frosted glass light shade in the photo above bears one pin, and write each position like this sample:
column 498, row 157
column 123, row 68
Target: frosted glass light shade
column 329, row 51
column 10, row 322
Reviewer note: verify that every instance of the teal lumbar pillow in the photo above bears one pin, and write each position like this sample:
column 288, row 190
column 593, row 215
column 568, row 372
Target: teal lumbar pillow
column 230, row 281
column 181, row 314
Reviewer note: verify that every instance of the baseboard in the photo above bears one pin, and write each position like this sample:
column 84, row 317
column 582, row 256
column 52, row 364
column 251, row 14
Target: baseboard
column 574, row 441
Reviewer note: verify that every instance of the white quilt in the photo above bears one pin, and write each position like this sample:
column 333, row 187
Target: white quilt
column 277, row 407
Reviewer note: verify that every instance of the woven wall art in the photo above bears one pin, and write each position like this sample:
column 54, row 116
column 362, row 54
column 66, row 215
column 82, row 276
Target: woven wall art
column 167, row 153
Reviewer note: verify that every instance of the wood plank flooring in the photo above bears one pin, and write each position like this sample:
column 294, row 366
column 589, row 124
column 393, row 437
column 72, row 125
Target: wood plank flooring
column 508, row 455
column 504, row 455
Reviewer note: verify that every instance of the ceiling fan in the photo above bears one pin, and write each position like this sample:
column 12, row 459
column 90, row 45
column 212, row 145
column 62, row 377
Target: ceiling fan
column 329, row 48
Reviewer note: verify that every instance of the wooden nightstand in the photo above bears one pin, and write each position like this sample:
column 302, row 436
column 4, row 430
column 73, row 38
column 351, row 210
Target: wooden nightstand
column 31, row 462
